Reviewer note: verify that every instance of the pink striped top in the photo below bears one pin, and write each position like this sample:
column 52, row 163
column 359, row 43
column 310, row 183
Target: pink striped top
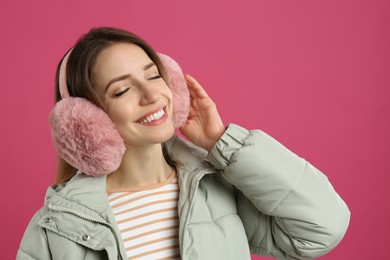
column 148, row 220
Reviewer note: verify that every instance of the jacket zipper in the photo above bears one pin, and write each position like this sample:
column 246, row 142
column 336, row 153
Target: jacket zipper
column 183, row 257
column 67, row 210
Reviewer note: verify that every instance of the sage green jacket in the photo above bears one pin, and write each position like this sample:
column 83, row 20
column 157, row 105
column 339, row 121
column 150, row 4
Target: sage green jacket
column 249, row 194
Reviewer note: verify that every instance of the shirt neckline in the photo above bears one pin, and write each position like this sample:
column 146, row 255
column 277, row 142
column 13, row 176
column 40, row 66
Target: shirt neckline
column 147, row 187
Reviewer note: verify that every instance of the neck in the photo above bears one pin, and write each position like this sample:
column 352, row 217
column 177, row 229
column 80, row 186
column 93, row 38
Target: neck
column 140, row 166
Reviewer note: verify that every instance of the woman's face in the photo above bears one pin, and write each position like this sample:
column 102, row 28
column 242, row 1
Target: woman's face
column 136, row 97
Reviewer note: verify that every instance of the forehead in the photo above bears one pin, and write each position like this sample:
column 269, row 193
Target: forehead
column 121, row 54
column 119, row 59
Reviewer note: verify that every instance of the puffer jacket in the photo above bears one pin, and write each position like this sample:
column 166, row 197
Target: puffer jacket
column 249, row 194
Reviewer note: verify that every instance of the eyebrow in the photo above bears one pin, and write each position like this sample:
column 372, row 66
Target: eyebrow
column 125, row 76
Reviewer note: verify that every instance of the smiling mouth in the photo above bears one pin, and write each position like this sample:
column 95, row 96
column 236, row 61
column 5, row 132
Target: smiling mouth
column 152, row 117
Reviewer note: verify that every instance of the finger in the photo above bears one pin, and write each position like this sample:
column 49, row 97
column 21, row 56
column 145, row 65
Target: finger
column 196, row 95
column 192, row 110
column 195, row 87
column 193, row 82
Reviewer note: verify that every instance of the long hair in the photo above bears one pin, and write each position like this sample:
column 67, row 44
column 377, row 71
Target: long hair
column 79, row 75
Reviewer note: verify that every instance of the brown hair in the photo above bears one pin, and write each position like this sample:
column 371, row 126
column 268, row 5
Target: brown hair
column 79, row 72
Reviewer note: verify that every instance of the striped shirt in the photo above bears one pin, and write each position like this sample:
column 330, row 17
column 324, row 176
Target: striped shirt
column 148, row 220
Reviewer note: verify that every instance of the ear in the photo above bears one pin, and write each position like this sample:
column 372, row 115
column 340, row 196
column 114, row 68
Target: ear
column 180, row 93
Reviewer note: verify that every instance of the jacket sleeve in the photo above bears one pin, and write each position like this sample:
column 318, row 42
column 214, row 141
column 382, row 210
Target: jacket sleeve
column 288, row 207
column 34, row 245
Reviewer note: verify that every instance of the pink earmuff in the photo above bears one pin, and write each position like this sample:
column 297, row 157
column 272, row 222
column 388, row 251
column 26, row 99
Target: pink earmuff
column 84, row 135
column 180, row 93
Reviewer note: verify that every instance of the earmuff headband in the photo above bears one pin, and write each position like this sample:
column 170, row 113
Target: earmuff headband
column 63, row 86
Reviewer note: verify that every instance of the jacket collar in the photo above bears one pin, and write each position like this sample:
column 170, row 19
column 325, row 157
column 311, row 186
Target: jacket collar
column 85, row 190
column 90, row 191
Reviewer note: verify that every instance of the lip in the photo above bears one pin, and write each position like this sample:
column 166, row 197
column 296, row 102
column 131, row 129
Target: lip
column 152, row 112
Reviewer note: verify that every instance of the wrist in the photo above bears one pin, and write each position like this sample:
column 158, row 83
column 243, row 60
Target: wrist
column 214, row 139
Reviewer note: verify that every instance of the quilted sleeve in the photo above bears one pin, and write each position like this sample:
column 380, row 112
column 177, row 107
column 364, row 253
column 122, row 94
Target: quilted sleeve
column 288, row 207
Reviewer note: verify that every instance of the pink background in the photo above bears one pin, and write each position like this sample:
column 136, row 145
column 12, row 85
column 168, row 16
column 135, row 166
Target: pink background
column 313, row 74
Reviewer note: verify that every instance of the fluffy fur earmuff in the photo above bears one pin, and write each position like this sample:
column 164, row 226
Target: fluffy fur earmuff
column 86, row 138
column 178, row 85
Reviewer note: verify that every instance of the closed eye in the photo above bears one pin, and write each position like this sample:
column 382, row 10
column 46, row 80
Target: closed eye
column 156, row 77
column 121, row 93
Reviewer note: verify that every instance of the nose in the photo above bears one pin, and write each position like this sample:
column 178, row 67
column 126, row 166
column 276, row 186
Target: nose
column 150, row 94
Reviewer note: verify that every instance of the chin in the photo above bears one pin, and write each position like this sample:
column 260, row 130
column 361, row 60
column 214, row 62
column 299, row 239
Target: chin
column 147, row 137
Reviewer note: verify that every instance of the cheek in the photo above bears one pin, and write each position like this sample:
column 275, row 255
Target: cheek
column 168, row 93
column 120, row 113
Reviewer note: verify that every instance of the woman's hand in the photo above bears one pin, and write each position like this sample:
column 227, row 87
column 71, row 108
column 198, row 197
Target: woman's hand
column 204, row 125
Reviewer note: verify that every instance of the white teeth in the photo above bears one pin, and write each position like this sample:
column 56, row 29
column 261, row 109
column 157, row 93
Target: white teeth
column 153, row 117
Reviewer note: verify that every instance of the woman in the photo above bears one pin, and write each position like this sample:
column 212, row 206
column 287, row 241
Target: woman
column 225, row 194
